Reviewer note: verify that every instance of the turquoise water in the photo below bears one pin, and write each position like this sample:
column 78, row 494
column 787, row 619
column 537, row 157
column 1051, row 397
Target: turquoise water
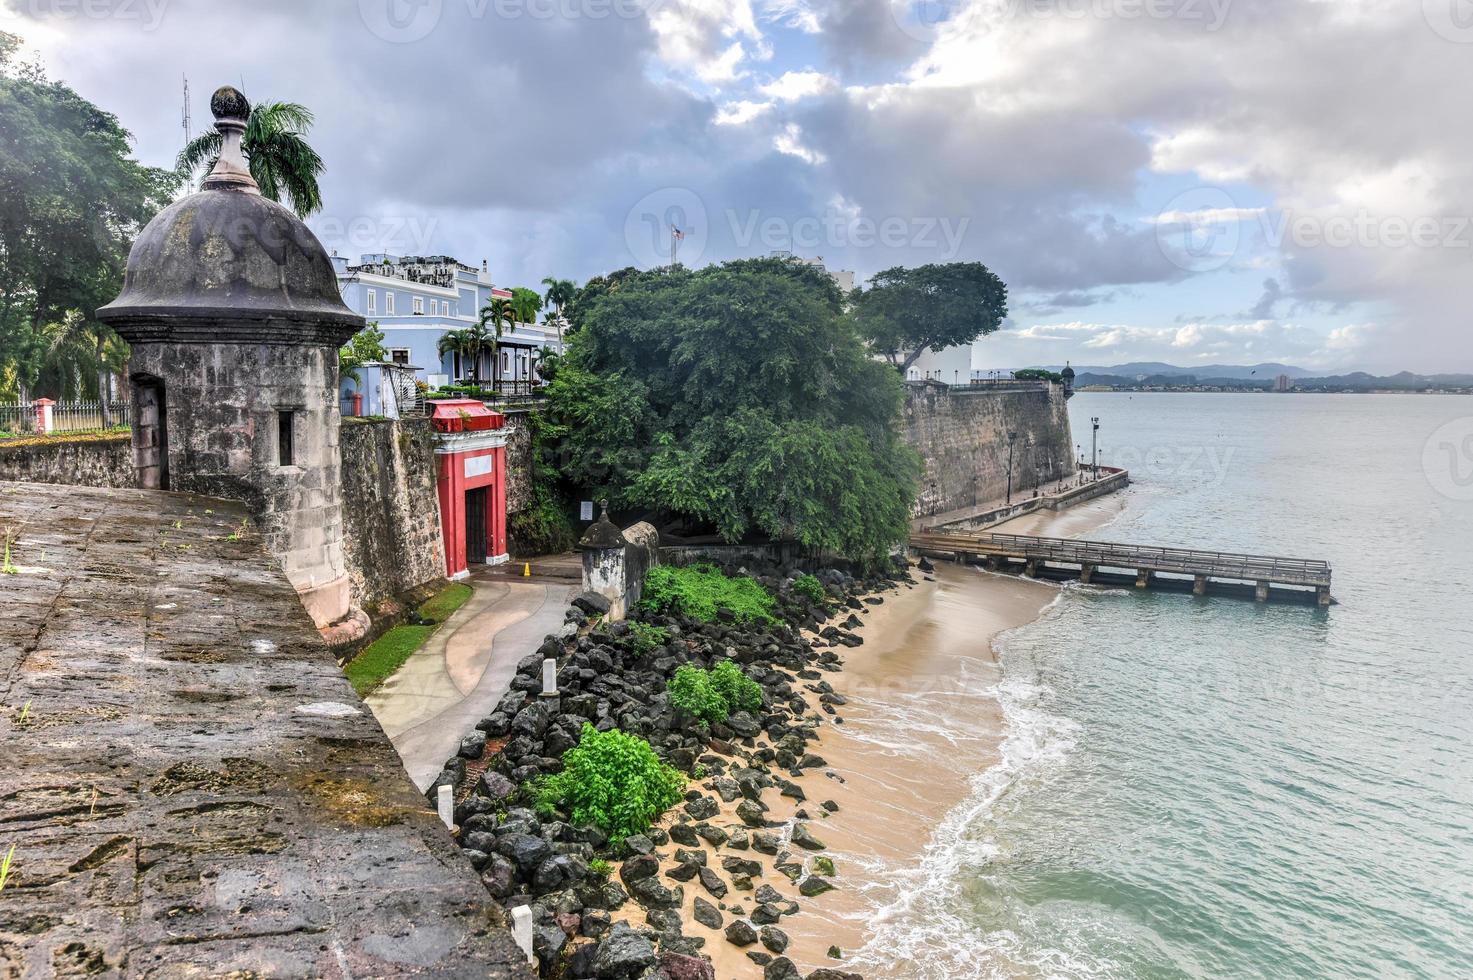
column 1212, row 788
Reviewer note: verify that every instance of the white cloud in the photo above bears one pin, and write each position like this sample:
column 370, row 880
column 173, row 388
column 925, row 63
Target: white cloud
column 795, row 85
column 741, row 112
column 790, row 141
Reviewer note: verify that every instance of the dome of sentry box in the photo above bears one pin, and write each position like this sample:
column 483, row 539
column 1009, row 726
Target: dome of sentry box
column 227, row 264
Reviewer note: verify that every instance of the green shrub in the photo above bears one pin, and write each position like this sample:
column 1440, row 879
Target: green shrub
column 712, row 695
column 543, row 528
column 693, row 691
column 810, row 588
column 647, row 638
column 600, row 868
column 700, row 591
column 740, row 691
column 612, row 781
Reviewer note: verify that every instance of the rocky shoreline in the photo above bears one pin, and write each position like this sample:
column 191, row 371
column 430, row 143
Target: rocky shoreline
column 717, row 874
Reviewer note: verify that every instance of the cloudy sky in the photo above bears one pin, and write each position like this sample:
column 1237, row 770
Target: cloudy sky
column 1193, row 181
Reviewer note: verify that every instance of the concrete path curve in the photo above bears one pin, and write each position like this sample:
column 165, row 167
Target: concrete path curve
column 456, row 678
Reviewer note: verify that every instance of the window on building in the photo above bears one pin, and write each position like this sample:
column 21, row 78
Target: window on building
column 372, row 301
column 419, row 305
column 286, row 437
column 398, row 355
column 434, row 307
column 389, row 304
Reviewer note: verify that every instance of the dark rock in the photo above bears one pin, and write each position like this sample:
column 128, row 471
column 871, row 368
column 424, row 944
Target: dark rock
column 525, row 851
column 766, row 915
column 765, row 843
column 781, row 968
column 495, row 786
column 664, row 921
column 702, row 808
column 827, row 973
column 499, row 876
column 684, row 856
column 473, row 745
column 558, row 872
column 712, row 882
column 814, row 885
column 638, row 867
column 650, row 893
column 625, row 953
column 774, row 938
column 804, row 838
column 680, row 966
column 683, row 872
column 639, row 844
column 593, row 604
column 707, row 915
column 548, row 940
column 752, row 813
column 741, row 866
column 740, row 933
column 684, row 833
column 712, row 835
column 594, row 923
column 767, row 894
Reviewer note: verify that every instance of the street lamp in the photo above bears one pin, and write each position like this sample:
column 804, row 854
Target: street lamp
column 1094, row 447
column 1012, row 436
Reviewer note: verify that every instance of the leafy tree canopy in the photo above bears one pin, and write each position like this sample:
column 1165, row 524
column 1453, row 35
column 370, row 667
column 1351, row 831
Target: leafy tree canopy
column 281, row 160
column 739, row 396
column 365, row 347
column 907, row 312
column 71, row 200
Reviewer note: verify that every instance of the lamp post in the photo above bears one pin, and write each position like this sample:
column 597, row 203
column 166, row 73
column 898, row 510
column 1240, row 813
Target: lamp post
column 1094, row 448
column 1012, row 437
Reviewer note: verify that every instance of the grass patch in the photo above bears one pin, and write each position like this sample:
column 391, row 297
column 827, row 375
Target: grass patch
column 389, row 652
column 701, row 591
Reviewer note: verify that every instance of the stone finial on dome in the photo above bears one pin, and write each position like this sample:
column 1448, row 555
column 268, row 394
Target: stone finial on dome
column 231, row 171
column 602, row 533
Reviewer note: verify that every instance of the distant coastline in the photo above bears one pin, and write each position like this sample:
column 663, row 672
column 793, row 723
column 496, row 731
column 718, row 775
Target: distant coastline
column 1239, row 390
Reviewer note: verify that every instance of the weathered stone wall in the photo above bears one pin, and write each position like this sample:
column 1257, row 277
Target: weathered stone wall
column 88, row 461
column 518, row 430
column 963, row 438
column 198, row 792
column 392, row 541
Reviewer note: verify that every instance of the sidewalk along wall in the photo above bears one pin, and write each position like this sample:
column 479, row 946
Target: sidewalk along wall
column 104, row 461
column 470, row 452
column 391, row 515
column 962, row 436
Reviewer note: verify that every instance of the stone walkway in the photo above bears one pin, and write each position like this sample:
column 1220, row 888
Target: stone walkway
column 190, row 784
column 456, row 678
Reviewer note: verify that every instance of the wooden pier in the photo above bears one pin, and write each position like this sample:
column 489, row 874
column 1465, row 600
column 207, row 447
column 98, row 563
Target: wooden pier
column 1173, row 569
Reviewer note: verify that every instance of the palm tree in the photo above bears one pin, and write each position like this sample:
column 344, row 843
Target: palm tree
column 281, row 161
column 469, row 344
column 78, row 345
column 525, row 302
column 500, row 311
column 560, row 293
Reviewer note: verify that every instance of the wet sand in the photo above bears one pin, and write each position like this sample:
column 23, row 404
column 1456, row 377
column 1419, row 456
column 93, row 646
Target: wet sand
column 922, row 719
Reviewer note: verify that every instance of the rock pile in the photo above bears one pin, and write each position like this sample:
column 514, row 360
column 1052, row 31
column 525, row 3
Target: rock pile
column 577, row 882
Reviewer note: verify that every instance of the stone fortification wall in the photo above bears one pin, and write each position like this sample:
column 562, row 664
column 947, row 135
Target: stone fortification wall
column 963, row 438
column 90, row 461
column 518, row 430
column 391, row 515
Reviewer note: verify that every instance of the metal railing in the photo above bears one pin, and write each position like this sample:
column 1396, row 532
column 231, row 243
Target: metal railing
column 1186, row 561
column 24, row 418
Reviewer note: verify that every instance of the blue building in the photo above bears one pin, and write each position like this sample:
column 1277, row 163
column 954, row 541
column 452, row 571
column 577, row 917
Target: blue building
column 416, row 300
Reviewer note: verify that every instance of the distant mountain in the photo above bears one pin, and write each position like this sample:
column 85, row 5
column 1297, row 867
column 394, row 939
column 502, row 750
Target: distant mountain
column 1355, row 381
column 1159, row 369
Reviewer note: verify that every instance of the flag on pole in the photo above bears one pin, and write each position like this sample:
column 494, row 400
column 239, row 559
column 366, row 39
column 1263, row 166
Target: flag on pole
column 679, row 235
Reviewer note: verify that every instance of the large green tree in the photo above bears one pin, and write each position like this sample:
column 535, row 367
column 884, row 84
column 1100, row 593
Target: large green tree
column 281, row 160
column 525, row 303
column 906, row 312
column 737, row 396
column 71, row 200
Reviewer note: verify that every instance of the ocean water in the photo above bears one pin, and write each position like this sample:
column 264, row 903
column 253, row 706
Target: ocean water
column 1213, row 788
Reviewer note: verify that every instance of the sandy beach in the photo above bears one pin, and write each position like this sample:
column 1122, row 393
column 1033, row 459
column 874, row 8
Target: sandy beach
column 921, row 720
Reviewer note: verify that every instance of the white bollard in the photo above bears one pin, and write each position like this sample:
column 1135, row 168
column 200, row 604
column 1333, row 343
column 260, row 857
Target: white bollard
column 446, row 805
column 549, row 678
column 521, row 929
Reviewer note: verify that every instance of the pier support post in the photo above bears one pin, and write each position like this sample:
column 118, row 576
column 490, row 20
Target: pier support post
column 1199, row 585
column 993, row 563
column 1086, row 572
column 1142, row 578
column 1030, row 568
column 1323, row 595
column 1260, row 593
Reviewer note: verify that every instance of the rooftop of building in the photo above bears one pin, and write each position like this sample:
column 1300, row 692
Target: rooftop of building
column 190, row 783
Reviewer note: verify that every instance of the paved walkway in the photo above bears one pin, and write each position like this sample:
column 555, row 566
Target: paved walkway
column 456, row 678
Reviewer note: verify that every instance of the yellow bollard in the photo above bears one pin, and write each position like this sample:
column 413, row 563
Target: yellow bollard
column 526, row 570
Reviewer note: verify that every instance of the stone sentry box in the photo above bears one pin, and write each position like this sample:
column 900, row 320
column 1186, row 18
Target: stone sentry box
column 233, row 313
column 614, row 561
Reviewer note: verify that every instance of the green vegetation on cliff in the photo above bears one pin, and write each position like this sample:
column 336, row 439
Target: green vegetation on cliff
column 739, row 398
column 612, row 781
